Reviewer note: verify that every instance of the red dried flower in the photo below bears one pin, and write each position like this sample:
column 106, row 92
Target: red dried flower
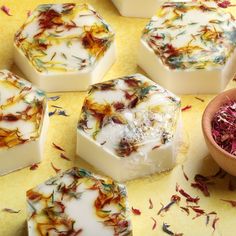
column 136, row 211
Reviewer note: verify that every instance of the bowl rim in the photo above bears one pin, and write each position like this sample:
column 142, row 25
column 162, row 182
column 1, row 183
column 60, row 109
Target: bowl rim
column 206, row 121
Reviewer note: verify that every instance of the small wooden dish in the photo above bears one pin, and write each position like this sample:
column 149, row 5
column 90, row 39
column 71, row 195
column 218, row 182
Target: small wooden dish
column 224, row 159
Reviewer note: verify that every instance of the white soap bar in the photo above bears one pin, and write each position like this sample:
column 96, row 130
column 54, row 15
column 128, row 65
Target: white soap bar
column 129, row 127
column 189, row 47
column 23, row 123
column 137, row 8
column 78, row 202
column 64, row 47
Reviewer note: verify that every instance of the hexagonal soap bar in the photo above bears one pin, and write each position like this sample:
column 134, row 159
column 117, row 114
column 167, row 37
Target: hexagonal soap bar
column 78, row 202
column 23, row 123
column 190, row 47
column 137, row 8
column 129, row 127
column 64, row 47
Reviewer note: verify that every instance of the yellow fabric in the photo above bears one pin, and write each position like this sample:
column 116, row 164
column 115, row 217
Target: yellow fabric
column 62, row 131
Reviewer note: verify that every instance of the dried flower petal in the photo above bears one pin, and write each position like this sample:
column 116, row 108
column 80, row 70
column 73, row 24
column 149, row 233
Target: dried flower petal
column 200, row 99
column 53, row 98
column 58, row 147
column 62, row 113
column 150, row 204
column 6, row 10
column 201, row 186
column 232, row 202
column 56, row 106
column 224, row 4
column 208, row 216
column 185, row 176
column 197, row 210
column 166, row 230
column 188, row 107
column 154, row 223
column 175, row 198
column 166, row 208
column 188, row 197
column 10, row 210
column 54, row 168
column 214, row 223
column 51, row 113
column 185, row 209
column 64, row 157
column 136, row 211
column 34, row 166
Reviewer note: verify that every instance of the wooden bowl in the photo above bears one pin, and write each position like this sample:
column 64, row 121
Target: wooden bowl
column 224, row 159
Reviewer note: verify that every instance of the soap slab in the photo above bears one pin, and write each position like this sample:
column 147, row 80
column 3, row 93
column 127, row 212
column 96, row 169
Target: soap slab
column 137, row 8
column 23, row 123
column 64, row 47
column 189, row 47
column 129, row 127
column 78, row 202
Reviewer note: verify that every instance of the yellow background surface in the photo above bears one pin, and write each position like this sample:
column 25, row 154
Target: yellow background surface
column 62, row 131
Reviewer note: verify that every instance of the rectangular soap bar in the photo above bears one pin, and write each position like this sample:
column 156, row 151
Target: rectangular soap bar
column 23, row 122
column 78, row 202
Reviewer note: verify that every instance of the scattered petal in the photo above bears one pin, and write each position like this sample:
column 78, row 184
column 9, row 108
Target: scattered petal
column 54, row 98
column 165, row 208
column 51, row 113
column 197, row 210
column 62, row 113
column 34, row 166
column 136, row 211
column 202, row 187
column 154, row 223
column 224, row 4
column 64, row 157
column 188, row 197
column 185, row 176
column 200, row 99
column 214, row 223
column 175, row 198
column 54, row 168
column 58, row 147
column 150, row 204
column 10, row 210
column 56, row 106
column 208, row 216
column 232, row 202
column 6, row 10
column 155, row 147
column 188, row 107
column 185, row 209
column 165, row 228
column 207, row 219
